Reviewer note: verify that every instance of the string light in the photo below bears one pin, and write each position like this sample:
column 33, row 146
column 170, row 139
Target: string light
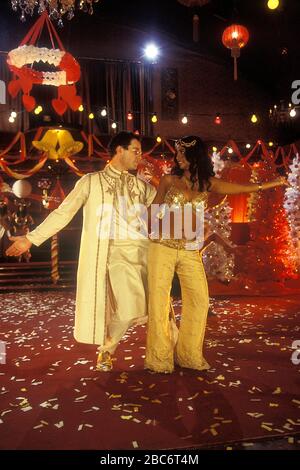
column 91, row 116
column 214, row 149
column 218, row 119
column 114, row 125
column 293, row 112
column 273, row 4
column 11, row 119
column 154, row 118
column 248, row 146
column 38, row 110
column 230, row 150
column 271, row 144
column 184, row 120
column 13, row 114
column 103, row 112
column 158, row 139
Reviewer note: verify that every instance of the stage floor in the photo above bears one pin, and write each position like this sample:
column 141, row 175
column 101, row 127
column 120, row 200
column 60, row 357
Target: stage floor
column 51, row 397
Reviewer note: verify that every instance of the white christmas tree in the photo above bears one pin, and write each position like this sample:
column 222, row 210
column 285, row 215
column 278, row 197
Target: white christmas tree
column 217, row 257
column 292, row 204
column 218, row 164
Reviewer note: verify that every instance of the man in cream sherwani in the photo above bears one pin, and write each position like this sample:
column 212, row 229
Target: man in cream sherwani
column 112, row 271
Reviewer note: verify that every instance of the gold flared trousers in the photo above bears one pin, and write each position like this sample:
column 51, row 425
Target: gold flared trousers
column 163, row 348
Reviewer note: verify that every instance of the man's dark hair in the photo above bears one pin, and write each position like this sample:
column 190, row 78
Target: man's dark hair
column 122, row 138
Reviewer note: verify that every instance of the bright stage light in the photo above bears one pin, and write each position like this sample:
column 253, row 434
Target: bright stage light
column 151, row 51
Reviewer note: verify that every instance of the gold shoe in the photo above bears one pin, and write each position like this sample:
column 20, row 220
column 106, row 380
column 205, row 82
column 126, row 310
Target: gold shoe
column 104, row 362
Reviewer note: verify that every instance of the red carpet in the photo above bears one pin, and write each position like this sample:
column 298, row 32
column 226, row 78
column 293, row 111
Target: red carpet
column 51, row 398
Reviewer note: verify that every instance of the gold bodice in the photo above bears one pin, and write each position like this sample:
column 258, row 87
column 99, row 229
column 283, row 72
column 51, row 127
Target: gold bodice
column 175, row 197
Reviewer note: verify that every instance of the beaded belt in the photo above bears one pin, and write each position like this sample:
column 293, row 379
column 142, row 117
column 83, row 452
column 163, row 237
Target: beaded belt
column 180, row 244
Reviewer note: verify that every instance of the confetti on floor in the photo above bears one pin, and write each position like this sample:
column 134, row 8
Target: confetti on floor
column 51, row 397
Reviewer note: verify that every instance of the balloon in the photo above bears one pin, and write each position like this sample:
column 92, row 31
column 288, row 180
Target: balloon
column 22, row 188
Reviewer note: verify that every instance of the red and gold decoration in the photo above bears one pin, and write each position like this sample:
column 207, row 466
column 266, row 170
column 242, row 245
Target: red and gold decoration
column 235, row 37
column 63, row 138
column 25, row 76
column 292, row 204
column 270, row 254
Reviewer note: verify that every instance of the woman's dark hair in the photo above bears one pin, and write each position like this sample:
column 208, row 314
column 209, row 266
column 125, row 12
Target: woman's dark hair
column 201, row 167
column 122, row 138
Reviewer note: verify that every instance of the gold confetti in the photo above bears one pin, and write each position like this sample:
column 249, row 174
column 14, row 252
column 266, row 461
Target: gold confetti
column 264, row 426
column 177, row 417
column 194, row 396
column 59, row 425
column 292, row 422
column 26, row 408
column 255, row 415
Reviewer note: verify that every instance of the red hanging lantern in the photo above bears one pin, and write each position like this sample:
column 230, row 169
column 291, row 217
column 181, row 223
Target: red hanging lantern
column 196, row 21
column 235, row 37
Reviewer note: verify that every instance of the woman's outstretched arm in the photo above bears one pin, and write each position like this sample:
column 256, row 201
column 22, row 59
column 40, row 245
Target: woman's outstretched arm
column 223, row 187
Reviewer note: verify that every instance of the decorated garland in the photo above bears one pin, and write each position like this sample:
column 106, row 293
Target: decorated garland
column 25, row 77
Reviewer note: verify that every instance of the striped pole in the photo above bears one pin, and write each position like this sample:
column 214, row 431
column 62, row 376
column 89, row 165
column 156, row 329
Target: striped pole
column 54, row 259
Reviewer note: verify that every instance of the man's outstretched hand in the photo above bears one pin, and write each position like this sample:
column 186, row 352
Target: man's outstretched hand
column 20, row 246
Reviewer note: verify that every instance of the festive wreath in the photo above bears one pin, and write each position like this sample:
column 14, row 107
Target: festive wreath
column 25, row 77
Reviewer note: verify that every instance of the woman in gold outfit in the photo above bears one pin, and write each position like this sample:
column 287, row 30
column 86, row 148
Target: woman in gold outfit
column 186, row 188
